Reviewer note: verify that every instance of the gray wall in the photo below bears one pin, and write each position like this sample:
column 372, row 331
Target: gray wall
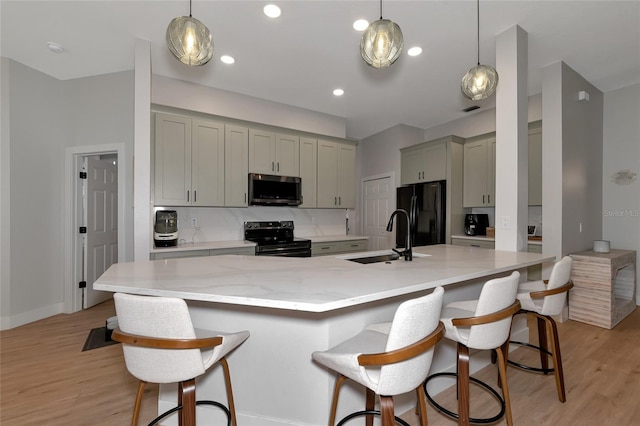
column 45, row 117
column 621, row 151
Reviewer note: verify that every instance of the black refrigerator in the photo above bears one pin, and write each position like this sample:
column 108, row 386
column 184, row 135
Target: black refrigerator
column 425, row 203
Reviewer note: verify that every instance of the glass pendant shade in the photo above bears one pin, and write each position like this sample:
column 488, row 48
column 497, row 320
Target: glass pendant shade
column 381, row 43
column 190, row 41
column 479, row 82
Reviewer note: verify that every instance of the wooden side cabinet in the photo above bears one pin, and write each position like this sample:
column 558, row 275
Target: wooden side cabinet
column 604, row 287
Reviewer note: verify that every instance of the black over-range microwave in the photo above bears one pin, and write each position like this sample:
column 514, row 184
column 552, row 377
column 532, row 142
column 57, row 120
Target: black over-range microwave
column 271, row 190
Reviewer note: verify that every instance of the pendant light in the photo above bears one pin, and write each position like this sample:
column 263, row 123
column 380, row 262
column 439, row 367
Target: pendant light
column 381, row 43
column 480, row 81
column 190, row 40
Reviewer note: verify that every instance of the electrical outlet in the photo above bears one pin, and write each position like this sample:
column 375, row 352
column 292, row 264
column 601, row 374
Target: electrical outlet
column 194, row 222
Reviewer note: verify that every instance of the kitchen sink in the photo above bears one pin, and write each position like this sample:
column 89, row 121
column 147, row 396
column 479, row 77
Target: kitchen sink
column 377, row 257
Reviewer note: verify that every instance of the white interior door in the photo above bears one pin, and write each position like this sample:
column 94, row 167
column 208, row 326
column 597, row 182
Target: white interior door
column 379, row 203
column 101, row 242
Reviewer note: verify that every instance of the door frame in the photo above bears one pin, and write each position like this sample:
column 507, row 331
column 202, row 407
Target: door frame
column 72, row 192
column 391, row 176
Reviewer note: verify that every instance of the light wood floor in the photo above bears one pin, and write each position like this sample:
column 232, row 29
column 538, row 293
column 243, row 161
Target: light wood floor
column 46, row 379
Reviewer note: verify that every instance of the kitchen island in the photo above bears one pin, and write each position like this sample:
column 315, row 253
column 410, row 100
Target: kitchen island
column 294, row 306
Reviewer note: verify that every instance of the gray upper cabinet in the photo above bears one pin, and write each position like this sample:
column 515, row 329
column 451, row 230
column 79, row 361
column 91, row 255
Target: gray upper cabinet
column 274, row 153
column 309, row 171
column 535, row 164
column 479, row 171
column 336, row 175
column 189, row 161
column 423, row 163
column 237, row 165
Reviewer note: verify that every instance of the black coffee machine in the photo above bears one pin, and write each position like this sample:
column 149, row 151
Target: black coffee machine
column 165, row 230
column 476, row 224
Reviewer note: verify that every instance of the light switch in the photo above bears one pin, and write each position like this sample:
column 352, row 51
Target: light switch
column 506, row 222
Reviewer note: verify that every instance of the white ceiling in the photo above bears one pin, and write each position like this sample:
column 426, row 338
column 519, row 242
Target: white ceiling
column 312, row 48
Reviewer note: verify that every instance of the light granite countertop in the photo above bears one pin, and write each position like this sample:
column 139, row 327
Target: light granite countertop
column 316, row 284
column 537, row 242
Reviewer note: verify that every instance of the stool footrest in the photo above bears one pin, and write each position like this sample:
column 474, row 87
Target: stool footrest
column 355, row 414
column 528, row 367
column 454, row 415
column 179, row 407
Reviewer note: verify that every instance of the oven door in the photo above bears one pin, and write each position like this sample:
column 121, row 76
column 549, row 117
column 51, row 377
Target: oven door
column 283, row 250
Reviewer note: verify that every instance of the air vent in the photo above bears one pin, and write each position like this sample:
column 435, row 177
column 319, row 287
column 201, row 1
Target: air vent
column 471, row 108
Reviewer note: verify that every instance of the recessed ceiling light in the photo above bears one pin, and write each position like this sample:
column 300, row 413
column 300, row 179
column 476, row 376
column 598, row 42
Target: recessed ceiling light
column 360, row 25
column 338, row 92
column 227, row 59
column 55, row 47
column 272, row 11
column 414, row 51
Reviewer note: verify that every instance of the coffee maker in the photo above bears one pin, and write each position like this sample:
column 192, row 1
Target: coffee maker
column 165, row 230
column 476, row 224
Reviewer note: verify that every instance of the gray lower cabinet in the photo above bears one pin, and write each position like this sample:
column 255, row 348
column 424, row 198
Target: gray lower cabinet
column 338, row 247
column 201, row 253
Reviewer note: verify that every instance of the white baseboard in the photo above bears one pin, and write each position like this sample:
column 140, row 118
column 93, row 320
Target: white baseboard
column 7, row 322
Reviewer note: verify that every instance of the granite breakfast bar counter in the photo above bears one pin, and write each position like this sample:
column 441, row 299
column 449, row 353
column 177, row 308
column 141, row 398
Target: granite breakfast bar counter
column 294, row 306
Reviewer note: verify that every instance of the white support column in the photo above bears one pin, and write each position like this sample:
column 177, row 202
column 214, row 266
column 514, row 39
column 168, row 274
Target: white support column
column 142, row 151
column 512, row 191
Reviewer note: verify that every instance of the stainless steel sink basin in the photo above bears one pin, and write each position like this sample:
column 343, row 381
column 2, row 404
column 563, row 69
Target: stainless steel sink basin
column 375, row 259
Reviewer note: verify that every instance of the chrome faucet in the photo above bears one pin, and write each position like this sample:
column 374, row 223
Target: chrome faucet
column 406, row 253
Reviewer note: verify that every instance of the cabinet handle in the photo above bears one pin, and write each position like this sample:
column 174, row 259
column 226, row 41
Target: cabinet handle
column 187, row 196
column 473, row 245
column 489, row 199
column 339, row 201
column 245, row 197
column 482, row 198
column 278, row 166
column 195, row 196
column 335, row 201
column 273, row 167
column 419, row 175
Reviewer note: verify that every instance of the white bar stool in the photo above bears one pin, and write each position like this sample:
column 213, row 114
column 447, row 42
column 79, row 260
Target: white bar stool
column 482, row 324
column 389, row 359
column 160, row 345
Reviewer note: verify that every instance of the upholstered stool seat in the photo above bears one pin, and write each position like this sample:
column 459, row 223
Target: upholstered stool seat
column 389, row 359
column 482, row 324
column 542, row 300
column 160, row 345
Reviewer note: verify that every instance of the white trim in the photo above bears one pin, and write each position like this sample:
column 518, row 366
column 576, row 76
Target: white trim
column 391, row 175
column 73, row 295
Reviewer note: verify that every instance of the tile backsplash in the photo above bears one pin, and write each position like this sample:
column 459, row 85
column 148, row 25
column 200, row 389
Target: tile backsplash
column 227, row 224
column 535, row 216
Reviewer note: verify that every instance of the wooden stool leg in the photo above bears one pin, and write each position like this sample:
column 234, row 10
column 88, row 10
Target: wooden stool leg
column 422, row 404
column 138, row 403
column 463, row 384
column 542, row 342
column 370, row 404
column 334, row 404
column 227, row 382
column 387, row 411
column 502, row 364
column 188, row 395
column 557, row 360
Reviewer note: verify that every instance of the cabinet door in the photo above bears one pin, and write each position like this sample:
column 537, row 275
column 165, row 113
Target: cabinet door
column 535, row 167
column 172, row 163
column 491, row 172
column 236, row 152
column 207, row 163
column 262, row 156
column 434, row 160
column 287, row 155
column 411, row 166
column 475, row 174
column 346, row 176
column 308, row 171
column 327, row 174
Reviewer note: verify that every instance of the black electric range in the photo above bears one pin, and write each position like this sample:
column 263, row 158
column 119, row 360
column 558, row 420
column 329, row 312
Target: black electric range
column 276, row 239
